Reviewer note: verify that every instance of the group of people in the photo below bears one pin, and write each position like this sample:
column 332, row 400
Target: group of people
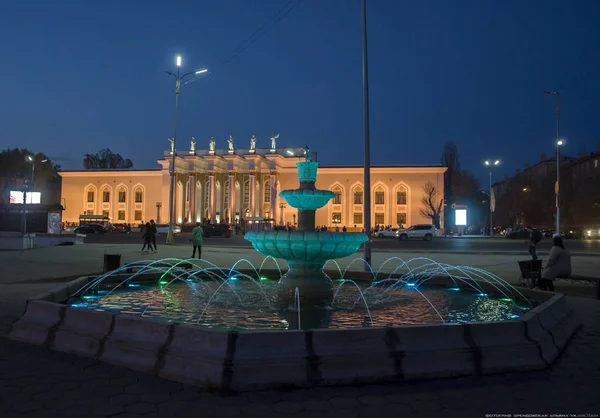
column 559, row 260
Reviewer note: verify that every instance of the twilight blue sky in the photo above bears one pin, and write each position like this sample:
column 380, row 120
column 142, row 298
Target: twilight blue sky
column 80, row 75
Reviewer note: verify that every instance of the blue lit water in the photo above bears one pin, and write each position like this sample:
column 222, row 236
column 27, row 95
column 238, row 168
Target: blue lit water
column 241, row 304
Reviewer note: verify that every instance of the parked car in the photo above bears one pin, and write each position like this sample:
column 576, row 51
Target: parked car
column 518, row 234
column 422, row 231
column 164, row 229
column 386, row 233
column 90, row 229
column 217, row 230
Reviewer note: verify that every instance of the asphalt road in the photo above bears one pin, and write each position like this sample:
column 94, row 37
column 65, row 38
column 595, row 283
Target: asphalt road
column 458, row 244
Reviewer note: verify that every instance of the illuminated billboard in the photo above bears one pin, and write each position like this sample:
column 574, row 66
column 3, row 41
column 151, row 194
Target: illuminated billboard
column 33, row 198
column 460, row 217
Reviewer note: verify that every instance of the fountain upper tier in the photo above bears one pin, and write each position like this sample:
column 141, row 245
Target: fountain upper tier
column 307, row 197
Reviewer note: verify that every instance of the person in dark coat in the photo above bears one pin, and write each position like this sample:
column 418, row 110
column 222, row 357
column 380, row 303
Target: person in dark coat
column 148, row 235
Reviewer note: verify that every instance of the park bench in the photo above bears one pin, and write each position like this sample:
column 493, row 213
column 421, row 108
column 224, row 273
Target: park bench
column 531, row 271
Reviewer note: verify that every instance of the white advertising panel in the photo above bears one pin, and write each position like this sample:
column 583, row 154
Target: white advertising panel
column 460, row 217
column 16, row 198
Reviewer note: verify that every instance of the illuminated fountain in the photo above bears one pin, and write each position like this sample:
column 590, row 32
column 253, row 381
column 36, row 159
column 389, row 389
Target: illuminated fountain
column 306, row 250
column 243, row 327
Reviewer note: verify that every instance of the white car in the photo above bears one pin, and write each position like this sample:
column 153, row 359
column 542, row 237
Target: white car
column 386, row 233
column 164, row 229
column 421, row 231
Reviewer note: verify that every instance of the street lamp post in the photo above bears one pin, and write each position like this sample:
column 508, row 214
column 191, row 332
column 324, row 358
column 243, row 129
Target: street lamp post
column 178, row 79
column 367, row 141
column 559, row 143
column 490, row 164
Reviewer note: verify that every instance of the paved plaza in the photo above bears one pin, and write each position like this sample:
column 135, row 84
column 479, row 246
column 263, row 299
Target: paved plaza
column 35, row 382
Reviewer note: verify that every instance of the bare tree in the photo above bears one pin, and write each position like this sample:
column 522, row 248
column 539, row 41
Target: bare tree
column 451, row 161
column 106, row 159
column 432, row 203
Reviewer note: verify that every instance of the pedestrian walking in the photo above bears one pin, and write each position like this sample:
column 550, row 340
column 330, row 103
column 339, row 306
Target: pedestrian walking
column 154, row 232
column 147, row 235
column 535, row 236
column 197, row 237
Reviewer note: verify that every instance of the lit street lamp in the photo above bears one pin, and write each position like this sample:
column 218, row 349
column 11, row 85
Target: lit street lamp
column 559, row 143
column 490, row 164
column 178, row 79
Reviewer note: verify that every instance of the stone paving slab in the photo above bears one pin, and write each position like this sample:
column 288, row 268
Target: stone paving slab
column 38, row 383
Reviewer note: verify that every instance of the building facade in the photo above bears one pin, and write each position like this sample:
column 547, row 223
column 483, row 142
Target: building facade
column 230, row 185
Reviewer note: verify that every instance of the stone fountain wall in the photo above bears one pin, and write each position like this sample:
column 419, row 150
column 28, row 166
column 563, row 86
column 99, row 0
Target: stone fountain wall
column 238, row 361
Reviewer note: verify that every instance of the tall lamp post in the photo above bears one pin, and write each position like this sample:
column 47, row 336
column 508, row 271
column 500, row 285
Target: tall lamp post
column 491, row 164
column 367, row 140
column 559, row 143
column 178, row 78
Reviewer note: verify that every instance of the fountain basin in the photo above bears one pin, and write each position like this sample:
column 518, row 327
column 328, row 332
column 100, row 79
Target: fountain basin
column 307, row 199
column 313, row 247
column 237, row 360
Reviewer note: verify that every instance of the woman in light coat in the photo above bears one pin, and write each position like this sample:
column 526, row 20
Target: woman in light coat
column 559, row 265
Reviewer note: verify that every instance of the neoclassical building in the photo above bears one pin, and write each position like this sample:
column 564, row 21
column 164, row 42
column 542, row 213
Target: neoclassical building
column 234, row 184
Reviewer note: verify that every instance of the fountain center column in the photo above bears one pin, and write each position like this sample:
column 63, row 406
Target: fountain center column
column 306, row 217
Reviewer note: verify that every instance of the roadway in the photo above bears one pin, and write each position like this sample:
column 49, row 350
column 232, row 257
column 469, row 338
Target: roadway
column 457, row 244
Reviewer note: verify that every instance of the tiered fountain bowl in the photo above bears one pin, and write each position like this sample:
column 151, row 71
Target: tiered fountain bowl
column 306, row 250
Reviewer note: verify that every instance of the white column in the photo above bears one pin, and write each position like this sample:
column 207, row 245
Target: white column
column 273, row 199
column 231, row 202
column 251, row 194
column 211, row 197
column 192, row 198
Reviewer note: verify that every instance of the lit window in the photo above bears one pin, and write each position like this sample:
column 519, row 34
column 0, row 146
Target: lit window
column 139, row 196
column 267, row 192
column 122, row 196
column 358, row 218
column 401, row 197
column 379, row 198
column 90, row 197
column 358, row 197
column 247, row 192
column 336, row 218
column 89, row 212
column 137, row 215
column 379, row 219
column 401, row 218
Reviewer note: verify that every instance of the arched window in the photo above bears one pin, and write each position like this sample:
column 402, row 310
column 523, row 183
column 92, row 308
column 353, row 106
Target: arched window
column 401, row 194
column 379, row 196
column 337, row 199
column 358, row 195
column 90, row 195
column 122, row 195
column 267, row 192
column 105, row 195
column 139, row 195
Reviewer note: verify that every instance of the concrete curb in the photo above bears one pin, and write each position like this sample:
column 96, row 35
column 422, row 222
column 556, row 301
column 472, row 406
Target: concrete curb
column 251, row 360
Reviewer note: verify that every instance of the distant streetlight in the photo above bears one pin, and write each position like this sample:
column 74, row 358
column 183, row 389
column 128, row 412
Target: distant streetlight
column 490, row 164
column 559, row 143
column 525, row 189
column 178, row 79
